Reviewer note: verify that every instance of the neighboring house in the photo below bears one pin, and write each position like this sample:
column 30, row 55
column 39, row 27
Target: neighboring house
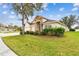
column 6, row 28
column 40, row 23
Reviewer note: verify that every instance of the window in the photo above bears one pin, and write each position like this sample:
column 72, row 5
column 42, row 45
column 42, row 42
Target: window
column 48, row 26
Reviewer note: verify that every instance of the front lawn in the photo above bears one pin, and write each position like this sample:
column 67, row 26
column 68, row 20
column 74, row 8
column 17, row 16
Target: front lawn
column 30, row 45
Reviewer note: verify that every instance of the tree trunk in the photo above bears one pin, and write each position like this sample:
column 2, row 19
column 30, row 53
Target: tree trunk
column 24, row 17
column 23, row 26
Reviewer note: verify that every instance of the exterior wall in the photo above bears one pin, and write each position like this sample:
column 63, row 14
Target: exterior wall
column 37, row 24
column 55, row 25
column 27, row 27
column 77, row 30
column 43, row 24
column 33, row 27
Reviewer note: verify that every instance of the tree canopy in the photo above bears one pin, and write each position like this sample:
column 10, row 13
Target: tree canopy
column 70, row 20
column 26, row 10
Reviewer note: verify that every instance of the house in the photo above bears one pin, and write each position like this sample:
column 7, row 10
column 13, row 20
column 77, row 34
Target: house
column 7, row 28
column 40, row 23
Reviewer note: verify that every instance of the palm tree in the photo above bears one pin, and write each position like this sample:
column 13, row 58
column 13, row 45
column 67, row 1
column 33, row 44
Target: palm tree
column 26, row 10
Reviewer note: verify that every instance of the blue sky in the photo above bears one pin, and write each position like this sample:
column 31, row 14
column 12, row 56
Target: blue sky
column 53, row 11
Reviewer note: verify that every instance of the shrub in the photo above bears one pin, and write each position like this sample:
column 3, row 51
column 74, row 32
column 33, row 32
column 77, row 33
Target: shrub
column 36, row 33
column 31, row 32
column 20, row 31
column 27, row 32
column 48, row 31
column 59, row 31
column 45, row 30
column 42, row 33
column 71, row 29
column 54, row 31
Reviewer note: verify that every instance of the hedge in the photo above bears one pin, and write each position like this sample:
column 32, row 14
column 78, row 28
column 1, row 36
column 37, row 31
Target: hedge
column 48, row 31
column 71, row 29
column 54, row 31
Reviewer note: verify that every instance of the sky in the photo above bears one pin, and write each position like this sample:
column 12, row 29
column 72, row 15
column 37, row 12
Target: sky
column 52, row 11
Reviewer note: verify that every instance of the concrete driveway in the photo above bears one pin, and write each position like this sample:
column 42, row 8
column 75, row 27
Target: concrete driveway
column 4, row 50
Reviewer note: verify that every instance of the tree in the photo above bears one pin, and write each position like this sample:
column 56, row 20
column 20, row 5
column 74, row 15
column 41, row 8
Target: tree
column 70, row 20
column 26, row 10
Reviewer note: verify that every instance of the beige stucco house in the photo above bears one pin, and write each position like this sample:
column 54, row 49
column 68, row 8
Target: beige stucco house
column 40, row 23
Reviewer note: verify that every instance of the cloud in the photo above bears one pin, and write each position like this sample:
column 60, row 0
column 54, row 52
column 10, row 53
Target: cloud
column 41, row 11
column 12, row 12
column 75, row 9
column 61, row 9
column 19, row 16
column 45, row 6
column 12, row 16
column 0, row 3
column 46, row 9
column 54, row 17
column 76, row 4
column 50, row 16
column 31, row 18
column 58, row 15
column 4, row 6
column 4, row 12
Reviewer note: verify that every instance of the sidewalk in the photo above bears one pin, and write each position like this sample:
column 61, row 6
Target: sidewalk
column 4, row 50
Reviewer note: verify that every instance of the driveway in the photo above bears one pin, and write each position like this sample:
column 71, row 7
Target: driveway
column 8, row 34
column 4, row 50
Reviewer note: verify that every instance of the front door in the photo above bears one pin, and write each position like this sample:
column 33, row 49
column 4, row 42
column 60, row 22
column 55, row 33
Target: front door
column 38, row 28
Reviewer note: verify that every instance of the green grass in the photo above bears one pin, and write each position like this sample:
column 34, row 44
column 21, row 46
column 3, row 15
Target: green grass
column 30, row 45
